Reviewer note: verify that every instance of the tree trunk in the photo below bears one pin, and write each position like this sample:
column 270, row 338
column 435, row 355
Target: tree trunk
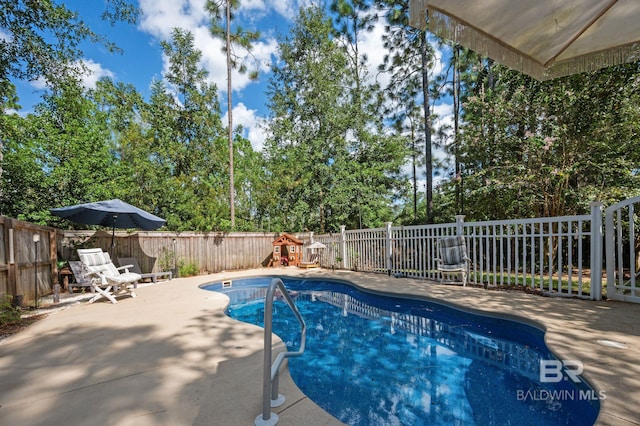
column 232, row 211
column 427, row 127
column 414, row 160
column 456, row 122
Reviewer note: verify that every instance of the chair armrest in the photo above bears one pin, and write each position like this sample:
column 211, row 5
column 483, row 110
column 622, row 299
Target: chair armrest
column 125, row 267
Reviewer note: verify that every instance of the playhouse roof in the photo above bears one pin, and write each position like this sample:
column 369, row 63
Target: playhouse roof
column 287, row 239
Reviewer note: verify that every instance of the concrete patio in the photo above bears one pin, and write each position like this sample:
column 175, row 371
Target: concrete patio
column 171, row 356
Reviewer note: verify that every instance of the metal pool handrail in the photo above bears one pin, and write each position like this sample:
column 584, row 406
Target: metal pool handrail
column 270, row 396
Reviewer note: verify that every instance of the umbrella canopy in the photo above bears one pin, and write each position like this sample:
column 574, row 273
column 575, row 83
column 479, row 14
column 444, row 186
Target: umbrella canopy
column 112, row 213
column 542, row 38
column 317, row 245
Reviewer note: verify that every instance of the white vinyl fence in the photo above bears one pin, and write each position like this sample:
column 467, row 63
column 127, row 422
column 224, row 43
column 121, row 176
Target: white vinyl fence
column 622, row 247
column 559, row 256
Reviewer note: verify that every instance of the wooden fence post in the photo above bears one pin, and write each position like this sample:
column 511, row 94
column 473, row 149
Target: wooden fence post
column 53, row 256
column 9, row 238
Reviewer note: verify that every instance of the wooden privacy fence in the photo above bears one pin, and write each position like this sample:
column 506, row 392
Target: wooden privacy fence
column 162, row 251
column 25, row 262
column 27, row 259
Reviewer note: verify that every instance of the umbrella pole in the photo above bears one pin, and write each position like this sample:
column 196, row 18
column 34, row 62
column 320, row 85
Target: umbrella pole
column 113, row 234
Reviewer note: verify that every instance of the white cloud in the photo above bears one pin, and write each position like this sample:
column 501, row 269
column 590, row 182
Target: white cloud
column 443, row 120
column 371, row 45
column 444, row 116
column 438, row 61
column 95, row 73
column 257, row 134
column 4, row 36
column 90, row 76
column 252, row 6
column 251, row 123
column 257, row 10
column 11, row 111
column 286, row 8
column 161, row 17
column 265, row 52
column 214, row 61
column 39, row 84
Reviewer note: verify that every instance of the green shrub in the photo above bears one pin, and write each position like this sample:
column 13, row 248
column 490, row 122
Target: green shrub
column 8, row 313
column 187, row 269
column 166, row 259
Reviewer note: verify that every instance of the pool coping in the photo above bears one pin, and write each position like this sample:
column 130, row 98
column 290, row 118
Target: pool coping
column 171, row 356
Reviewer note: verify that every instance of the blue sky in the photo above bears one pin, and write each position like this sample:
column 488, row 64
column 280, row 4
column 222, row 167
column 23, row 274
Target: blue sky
column 142, row 60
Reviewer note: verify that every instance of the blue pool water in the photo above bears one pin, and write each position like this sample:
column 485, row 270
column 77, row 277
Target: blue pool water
column 380, row 360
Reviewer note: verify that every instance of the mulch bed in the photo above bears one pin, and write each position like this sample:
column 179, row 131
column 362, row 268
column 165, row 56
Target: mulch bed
column 10, row 329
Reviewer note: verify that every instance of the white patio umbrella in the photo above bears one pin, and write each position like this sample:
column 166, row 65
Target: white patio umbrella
column 542, row 38
column 313, row 247
column 317, row 245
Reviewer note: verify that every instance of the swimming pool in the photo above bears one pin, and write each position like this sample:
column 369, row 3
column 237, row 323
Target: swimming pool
column 373, row 359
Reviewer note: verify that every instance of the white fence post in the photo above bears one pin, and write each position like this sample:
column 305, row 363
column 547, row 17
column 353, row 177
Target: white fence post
column 460, row 224
column 343, row 246
column 596, row 250
column 389, row 250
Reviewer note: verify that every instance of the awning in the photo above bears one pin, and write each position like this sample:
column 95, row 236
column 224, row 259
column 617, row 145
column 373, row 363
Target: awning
column 542, row 38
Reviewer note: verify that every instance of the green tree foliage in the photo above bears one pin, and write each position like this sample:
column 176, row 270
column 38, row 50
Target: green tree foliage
column 41, row 38
column 187, row 140
column 61, row 155
column 376, row 157
column 166, row 155
column 335, row 144
column 142, row 176
column 408, row 62
column 325, row 168
column 22, row 180
column 306, row 152
column 547, row 149
column 221, row 13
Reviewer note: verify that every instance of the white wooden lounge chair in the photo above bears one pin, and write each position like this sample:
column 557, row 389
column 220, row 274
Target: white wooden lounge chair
column 107, row 280
column 452, row 257
column 136, row 268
